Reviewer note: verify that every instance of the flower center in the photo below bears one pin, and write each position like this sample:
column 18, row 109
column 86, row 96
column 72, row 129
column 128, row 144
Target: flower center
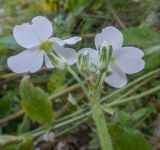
column 57, row 59
column 46, row 46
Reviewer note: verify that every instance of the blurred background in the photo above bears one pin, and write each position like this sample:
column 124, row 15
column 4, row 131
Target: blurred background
column 139, row 20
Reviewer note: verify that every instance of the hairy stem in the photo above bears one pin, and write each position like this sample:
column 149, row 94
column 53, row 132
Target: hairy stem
column 100, row 123
column 100, row 81
column 97, row 113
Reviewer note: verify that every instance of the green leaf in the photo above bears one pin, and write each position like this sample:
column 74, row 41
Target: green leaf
column 24, row 126
column 94, row 143
column 144, row 38
column 27, row 143
column 35, row 102
column 109, row 110
column 140, row 113
column 72, row 100
column 5, row 105
column 152, row 49
column 141, row 37
column 151, row 61
column 122, row 117
column 128, row 139
column 9, row 147
column 56, row 81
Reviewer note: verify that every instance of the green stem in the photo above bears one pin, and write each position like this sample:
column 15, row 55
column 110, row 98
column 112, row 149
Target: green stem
column 97, row 112
column 138, row 96
column 100, row 123
column 42, row 131
column 71, row 127
column 100, row 81
column 69, row 69
column 134, row 89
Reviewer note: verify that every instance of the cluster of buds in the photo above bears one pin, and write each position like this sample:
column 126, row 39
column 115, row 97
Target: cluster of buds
column 85, row 65
column 87, row 68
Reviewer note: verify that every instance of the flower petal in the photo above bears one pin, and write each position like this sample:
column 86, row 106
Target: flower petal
column 68, row 53
column 72, row 40
column 111, row 35
column 129, row 60
column 48, row 63
column 118, row 79
column 129, row 52
column 29, row 60
column 43, row 27
column 93, row 54
column 29, row 35
column 57, row 40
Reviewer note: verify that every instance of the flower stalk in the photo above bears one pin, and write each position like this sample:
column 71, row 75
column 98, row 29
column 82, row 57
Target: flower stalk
column 97, row 113
column 100, row 122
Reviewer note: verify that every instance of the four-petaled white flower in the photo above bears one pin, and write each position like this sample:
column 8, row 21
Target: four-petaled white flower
column 125, row 60
column 31, row 36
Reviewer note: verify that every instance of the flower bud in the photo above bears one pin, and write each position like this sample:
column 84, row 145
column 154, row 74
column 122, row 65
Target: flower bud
column 58, row 60
column 105, row 56
column 83, row 63
column 92, row 69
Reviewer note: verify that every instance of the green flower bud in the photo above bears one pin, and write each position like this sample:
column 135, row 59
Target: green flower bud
column 83, row 63
column 57, row 60
column 92, row 69
column 105, row 56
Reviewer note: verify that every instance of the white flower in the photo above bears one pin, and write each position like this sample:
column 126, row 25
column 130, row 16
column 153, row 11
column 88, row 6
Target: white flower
column 31, row 36
column 125, row 60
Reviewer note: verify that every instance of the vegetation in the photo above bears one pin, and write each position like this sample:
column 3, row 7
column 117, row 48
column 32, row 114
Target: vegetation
column 49, row 110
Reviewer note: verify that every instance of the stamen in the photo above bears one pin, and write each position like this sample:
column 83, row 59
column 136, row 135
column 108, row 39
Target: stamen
column 46, row 46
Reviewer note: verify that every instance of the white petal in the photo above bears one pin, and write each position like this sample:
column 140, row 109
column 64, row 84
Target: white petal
column 129, row 66
column 118, row 79
column 111, row 35
column 129, row 60
column 43, row 27
column 129, row 52
column 70, row 41
column 29, row 35
column 73, row 40
column 29, row 60
column 68, row 53
column 48, row 63
column 93, row 54
column 57, row 40
column 24, row 36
